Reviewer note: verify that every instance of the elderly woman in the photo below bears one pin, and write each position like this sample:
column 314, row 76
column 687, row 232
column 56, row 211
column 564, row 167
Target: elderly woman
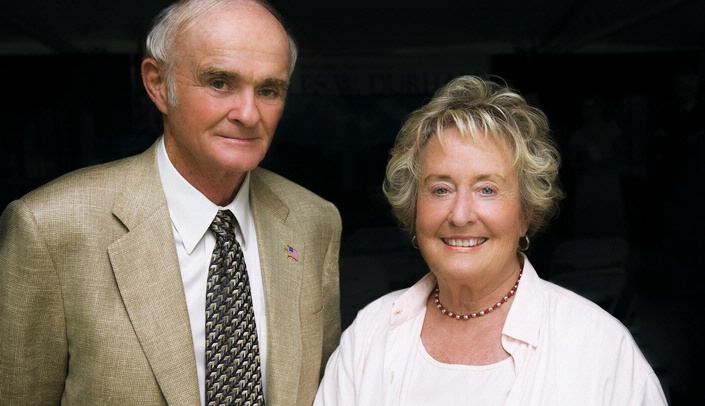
column 472, row 176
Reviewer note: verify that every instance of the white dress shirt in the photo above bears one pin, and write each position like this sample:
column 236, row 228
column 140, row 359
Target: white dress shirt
column 191, row 216
column 565, row 350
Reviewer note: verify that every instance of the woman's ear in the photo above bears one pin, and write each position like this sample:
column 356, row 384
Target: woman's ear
column 155, row 83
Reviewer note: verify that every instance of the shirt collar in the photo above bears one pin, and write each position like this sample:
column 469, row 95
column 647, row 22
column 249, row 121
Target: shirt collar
column 413, row 301
column 191, row 212
column 524, row 317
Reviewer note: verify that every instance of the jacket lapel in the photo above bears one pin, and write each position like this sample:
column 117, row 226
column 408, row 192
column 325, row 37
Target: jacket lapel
column 282, row 278
column 147, row 272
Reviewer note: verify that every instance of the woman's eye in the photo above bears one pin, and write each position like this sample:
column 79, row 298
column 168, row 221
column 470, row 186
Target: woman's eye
column 440, row 191
column 486, row 191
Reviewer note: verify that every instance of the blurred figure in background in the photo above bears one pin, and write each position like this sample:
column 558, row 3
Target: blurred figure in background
column 676, row 218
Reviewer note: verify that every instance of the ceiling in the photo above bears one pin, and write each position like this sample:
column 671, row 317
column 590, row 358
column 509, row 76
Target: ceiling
column 346, row 27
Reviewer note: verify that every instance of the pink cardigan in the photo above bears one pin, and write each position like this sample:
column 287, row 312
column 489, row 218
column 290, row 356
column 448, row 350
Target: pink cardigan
column 566, row 351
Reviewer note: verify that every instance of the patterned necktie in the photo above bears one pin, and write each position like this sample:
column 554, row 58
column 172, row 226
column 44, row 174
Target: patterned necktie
column 233, row 375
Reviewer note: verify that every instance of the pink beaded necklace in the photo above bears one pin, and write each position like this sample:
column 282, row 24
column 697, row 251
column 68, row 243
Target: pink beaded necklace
column 481, row 313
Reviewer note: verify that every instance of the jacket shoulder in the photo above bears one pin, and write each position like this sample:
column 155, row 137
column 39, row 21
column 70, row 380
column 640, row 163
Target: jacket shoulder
column 101, row 180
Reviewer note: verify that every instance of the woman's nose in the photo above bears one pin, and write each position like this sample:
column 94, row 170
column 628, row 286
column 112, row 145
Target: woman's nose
column 463, row 210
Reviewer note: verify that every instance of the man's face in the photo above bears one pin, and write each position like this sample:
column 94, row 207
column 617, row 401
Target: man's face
column 230, row 79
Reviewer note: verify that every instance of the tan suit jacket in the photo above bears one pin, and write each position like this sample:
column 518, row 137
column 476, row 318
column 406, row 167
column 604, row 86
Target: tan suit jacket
column 92, row 305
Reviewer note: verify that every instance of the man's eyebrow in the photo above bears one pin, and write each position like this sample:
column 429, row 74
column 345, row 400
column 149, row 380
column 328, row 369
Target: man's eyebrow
column 275, row 82
column 215, row 72
column 209, row 73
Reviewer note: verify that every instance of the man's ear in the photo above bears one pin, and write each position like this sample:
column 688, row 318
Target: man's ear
column 155, row 83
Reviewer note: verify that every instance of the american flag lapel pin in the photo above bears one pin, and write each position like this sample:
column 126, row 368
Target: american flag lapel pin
column 292, row 253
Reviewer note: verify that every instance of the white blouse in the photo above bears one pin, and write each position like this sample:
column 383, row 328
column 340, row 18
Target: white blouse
column 436, row 383
column 565, row 350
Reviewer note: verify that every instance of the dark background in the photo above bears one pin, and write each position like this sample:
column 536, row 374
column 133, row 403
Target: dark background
column 72, row 97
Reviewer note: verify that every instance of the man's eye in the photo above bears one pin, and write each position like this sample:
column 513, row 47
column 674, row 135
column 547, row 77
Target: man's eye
column 269, row 93
column 218, row 84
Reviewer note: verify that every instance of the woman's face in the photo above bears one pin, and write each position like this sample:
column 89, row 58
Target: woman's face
column 468, row 218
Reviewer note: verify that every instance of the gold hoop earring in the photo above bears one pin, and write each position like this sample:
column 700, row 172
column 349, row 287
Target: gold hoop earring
column 414, row 242
column 524, row 243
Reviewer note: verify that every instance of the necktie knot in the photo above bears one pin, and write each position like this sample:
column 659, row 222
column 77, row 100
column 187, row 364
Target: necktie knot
column 223, row 225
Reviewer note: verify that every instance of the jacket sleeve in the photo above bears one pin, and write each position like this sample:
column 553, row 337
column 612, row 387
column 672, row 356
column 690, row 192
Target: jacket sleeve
column 331, row 289
column 33, row 343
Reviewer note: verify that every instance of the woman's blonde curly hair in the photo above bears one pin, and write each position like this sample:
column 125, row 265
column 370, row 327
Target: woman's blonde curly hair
column 479, row 107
